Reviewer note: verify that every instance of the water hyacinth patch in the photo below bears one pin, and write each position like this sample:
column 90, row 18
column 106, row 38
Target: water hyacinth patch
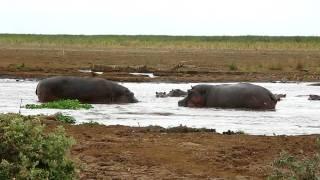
column 60, row 104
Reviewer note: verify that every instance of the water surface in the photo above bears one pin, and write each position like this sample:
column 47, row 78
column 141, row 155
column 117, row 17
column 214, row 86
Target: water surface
column 294, row 115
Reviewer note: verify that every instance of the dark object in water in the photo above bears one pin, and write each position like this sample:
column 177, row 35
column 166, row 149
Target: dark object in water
column 241, row 95
column 172, row 93
column 279, row 96
column 314, row 97
column 314, row 84
column 86, row 90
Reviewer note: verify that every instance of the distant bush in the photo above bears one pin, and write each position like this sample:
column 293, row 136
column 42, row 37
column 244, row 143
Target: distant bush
column 60, row 104
column 229, row 132
column 91, row 123
column 289, row 167
column 299, row 66
column 233, row 67
column 276, row 67
column 27, row 152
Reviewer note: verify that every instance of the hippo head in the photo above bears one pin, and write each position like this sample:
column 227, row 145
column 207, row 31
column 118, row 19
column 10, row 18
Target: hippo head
column 126, row 96
column 196, row 97
column 161, row 94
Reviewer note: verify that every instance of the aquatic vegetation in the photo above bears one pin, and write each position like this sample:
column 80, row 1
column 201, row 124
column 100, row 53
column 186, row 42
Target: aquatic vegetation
column 91, row 123
column 177, row 129
column 60, row 104
column 64, row 118
column 27, row 152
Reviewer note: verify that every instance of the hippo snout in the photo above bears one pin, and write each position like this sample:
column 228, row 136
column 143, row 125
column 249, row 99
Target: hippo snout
column 134, row 100
column 182, row 102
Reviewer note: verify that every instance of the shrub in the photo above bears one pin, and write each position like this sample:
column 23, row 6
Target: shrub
column 233, row 67
column 60, row 104
column 289, row 167
column 276, row 67
column 299, row 66
column 91, row 123
column 64, row 118
column 27, row 152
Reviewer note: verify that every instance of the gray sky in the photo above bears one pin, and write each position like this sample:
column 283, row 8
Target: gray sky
column 161, row 17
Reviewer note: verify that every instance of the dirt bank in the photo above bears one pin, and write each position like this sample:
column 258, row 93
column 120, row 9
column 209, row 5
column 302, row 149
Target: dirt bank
column 169, row 65
column 128, row 153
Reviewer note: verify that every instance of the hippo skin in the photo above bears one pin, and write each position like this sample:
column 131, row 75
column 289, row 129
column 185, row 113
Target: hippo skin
column 86, row 90
column 241, row 95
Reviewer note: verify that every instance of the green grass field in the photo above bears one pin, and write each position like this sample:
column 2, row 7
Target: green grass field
column 144, row 41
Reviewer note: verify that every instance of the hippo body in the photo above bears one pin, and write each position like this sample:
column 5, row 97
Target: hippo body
column 86, row 90
column 241, row 95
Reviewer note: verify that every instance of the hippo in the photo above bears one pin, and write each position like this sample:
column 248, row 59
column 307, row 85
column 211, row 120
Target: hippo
column 172, row 93
column 314, row 97
column 314, row 84
column 241, row 95
column 161, row 94
column 177, row 93
column 85, row 89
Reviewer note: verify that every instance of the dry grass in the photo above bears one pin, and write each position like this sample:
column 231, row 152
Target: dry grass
column 168, row 42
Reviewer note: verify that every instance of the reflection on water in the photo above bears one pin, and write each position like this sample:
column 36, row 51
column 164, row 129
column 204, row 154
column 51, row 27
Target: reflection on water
column 294, row 115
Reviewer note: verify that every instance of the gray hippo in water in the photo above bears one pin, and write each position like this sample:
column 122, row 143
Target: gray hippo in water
column 86, row 90
column 241, row 95
column 314, row 97
column 172, row 93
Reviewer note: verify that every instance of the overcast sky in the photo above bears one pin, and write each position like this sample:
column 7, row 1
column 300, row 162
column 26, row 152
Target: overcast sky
column 161, row 17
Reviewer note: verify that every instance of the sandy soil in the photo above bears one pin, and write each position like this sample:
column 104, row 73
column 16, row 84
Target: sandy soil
column 119, row 152
column 192, row 65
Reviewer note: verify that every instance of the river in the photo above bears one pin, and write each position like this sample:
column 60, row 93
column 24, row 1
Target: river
column 294, row 115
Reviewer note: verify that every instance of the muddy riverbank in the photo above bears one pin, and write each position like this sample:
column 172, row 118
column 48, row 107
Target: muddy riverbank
column 123, row 152
column 168, row 65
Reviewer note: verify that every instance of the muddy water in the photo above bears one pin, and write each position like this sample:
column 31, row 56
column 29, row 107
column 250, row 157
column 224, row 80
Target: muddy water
column 294, row 115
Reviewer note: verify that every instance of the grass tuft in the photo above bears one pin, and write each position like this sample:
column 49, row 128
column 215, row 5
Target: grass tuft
column 290, row 167
column 299, row 66
column 64, row 118
column 233, row 67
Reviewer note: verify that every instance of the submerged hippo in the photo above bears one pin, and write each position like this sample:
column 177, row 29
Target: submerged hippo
column 86, row 90
column 241, row 95
column 314, row 97
column 172, row 93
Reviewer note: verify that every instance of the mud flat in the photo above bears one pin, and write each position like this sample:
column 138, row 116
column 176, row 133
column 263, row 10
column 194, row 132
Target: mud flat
column 129, row 153
column 167, row 65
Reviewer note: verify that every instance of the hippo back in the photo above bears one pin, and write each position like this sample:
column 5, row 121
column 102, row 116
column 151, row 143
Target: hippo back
column 241, row 95
column 89, row 90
